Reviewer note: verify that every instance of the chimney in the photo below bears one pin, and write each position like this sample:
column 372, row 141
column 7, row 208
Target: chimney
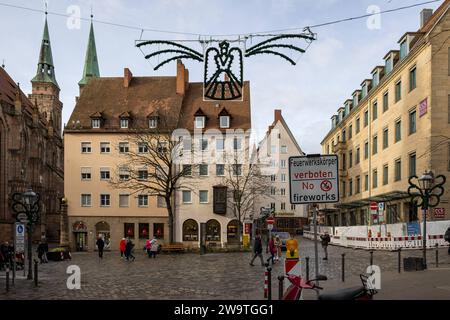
column 425, row 15
column 277, row 115
column 181, row 78
column 127, row 76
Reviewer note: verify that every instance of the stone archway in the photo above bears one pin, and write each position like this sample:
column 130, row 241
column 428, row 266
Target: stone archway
column 102, row 229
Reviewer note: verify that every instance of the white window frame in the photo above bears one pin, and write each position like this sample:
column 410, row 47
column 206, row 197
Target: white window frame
column 87, row 170
column 124, row 143
column 128, row 200
column 95, row 123
column 90, row 200
column 183, row 192
column 144, row 198
column 109, row 199
column 124, row 123
column 226, row 123
column 223, row 171
column 153, row 123
column 200, row 171
column 105, row 169
column 197, row 122
column 108, row 147
column 200, row 199
column 90, row 146
column 142, row 146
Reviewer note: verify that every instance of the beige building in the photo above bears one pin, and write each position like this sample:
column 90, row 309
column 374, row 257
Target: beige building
column 395, row 126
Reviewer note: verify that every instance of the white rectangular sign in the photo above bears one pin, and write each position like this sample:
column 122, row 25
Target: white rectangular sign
column 314, row 179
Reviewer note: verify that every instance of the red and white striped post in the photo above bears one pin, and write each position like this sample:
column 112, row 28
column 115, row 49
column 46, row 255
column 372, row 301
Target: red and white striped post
column 266, row 280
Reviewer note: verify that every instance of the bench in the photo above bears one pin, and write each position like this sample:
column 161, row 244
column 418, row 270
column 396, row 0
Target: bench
column 173, row 247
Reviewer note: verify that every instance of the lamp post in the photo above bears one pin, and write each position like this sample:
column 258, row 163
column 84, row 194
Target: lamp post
column 426, row 194
column 26, row 207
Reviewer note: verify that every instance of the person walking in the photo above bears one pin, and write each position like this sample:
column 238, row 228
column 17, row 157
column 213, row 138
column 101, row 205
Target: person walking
column 100, row 246
column 128, row 250
column 447, row 238
column 278, row 244
column 257, row 250
column 41, row 252
column 325, row 241
column 147, row 247
column 122, row 245
column 153, row 247
column 271, row 249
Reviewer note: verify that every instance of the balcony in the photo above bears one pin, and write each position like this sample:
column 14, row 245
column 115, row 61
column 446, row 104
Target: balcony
column 339, row 147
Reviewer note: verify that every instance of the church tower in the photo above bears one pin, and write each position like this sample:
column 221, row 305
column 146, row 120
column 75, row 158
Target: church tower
column 91, row 69
column 45, row 88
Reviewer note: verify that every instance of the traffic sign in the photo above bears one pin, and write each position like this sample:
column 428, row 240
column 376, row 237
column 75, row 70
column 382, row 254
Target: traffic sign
column 373, row 206
column 314, row 179
column 19, row 239
column 270, row 220
column 381, row 206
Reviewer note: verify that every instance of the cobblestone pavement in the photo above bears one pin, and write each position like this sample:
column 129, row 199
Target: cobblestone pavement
column 184, row 276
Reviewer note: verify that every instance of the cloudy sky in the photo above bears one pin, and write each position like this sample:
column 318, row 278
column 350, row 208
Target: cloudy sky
column 309, row 93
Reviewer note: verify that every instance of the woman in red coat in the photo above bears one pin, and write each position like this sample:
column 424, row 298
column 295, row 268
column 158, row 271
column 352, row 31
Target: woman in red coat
column 271, row 249
column 122, row 247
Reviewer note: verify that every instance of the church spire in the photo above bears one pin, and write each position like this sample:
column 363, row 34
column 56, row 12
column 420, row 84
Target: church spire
column 91, row 69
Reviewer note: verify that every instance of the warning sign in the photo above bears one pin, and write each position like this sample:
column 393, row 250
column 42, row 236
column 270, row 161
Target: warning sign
column 314, row 179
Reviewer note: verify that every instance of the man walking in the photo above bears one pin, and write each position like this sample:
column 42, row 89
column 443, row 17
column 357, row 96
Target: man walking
column 257, row 249
column 325, row 241
column 100, row 246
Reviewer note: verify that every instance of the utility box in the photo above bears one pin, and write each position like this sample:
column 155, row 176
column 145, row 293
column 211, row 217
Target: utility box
column 413, row 264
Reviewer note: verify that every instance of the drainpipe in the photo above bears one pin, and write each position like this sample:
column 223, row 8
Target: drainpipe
column 369, row 140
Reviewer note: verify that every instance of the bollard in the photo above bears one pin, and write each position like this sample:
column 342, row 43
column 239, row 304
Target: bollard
column 371, row 257
column 399, row 260
column 35, row 273
column 280, row 287
column 7, row 279
column 266, row 279
column 437, row 256
column 343, row 267
column 269, row 283
column 307, row 268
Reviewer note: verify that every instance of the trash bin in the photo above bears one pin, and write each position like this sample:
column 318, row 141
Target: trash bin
column 413, row 264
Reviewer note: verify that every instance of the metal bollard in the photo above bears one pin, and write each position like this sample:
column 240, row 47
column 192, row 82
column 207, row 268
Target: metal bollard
column 437, row 256
column 269, row 283
column 307, row 268
column 399, row 260
column 7, row 279
column 35, row 273
column 266, row 280
column 343, row 267
column 280, row 287
column 371, row 257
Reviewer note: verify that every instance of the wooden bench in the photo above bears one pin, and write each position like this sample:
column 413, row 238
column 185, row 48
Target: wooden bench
column 173, row 247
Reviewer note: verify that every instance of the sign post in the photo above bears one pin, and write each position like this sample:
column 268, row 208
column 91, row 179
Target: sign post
column 314, row 179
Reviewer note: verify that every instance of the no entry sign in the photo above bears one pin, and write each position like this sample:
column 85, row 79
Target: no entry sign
column 314, row 179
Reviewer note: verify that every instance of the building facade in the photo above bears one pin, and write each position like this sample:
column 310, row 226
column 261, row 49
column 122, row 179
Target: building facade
column 396, row 126
column 31, row 147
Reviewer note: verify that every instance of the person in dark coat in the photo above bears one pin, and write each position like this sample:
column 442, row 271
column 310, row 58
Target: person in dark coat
column 325, row 241
column 447, row 238
column 128, row 250
column 257, row 249
column 41, row 252
column 100, row 246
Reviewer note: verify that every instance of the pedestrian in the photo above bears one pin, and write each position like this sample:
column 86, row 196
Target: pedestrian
column 325, row 241
column 4, row 255
column 122, row 246
column 278, row 244
column 41, row 252
column 271, row 249
column 147, row 247
column 153, row 247
column 128, row 250
column 257, row 250
column 447, row 238
column 100, row 246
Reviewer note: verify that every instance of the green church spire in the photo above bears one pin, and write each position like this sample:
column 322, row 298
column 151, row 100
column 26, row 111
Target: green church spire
column 46, row 70
column 91, row 69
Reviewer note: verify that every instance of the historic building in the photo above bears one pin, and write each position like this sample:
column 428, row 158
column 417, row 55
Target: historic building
column 274, row 151
column 31, row 147
column 395, row 126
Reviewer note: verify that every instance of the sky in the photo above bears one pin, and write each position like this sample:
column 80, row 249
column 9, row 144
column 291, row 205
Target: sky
column 309, row 93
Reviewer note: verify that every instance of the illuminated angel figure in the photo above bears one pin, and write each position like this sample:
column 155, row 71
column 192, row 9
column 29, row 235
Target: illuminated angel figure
column 223, row 74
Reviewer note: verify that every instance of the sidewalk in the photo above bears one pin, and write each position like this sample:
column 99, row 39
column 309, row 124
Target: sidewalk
column 432, row 284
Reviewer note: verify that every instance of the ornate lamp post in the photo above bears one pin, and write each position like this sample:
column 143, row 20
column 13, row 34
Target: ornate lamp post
column 26, row 207
column 427, row 195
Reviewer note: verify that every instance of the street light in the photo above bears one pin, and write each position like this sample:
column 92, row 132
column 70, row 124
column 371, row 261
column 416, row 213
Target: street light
column 26, row 207
column 426, row 195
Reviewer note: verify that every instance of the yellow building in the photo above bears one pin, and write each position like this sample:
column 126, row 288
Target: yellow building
column 396, row 125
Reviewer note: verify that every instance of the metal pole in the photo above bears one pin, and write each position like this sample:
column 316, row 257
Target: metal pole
column 424, row 239
column 30, row 249
column 14, row 267
column 269, row 283
column 371, row 257
column 343, row 267
column 307, row 268
column 7, row 279
column 316, row 254
column 280, row 287
column 437, row 256
column 35, row 273
column 399, row 260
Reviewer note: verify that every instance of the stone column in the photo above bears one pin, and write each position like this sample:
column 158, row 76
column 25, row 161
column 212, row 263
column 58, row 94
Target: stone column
column 64, row 225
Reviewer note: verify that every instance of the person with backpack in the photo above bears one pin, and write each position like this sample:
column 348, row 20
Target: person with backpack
column 447, row 238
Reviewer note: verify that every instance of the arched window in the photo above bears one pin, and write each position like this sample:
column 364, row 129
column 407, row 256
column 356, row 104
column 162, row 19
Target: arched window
column 212, row 230
column 190, row 230
column 232, row 231
column 102, row 230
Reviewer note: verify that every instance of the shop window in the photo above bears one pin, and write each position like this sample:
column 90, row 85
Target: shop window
column 143, row 230
column 128, row 230
column 190, row 230
column 213, row 230
column 158, row 230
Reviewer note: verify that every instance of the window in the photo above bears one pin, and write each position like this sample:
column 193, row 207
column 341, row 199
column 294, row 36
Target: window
column 86, row 200
column 283, row 191
column 104, row 147
column 398, row 91
column 142, row 174
column 283, row 206
column 357, row 158
column 273, row 178
column 142, row 148
column 105, row 200
column 273, row 149
column 412, row 121
column 398, row 130
column 220, row 144
column 350, row 159
column 350, row 187
column 203, row 144
column 144, row 230
column 366, row 149
column 385, row 101
column 124, row 200
column 187, row 169
column 385, row 174
column 85, row 174
column 374, row 178
column 158, row 230
column 237, row 169
column 124, row 147
column 128, row 230
column 224, row 121
column 292, row 206
column 350, row 131
column 403, row 49
column 161, row 202
column 366, row 118
column 272, row 205
column 203, row 196
column 344, row 162
column 203, row 169
column 95, row 123
column 398, row 170
column 123, row 123
column 357, row 125
column 237, row 143
column 104, row 174
column 220, row 169
column 153, row 123
column 86, row 147
column 375, row 145
column 283, row 150
column 162, row 147
column 412, row 79
column 283, row 177
column 142, row 200
column 124, row 173
column 283, row 164
column 366, row 182
column 273, row 191
column 358, row 185
column 374, row 111
column 199, row 122
column 187, row 196
column 412, row 164
column 190, row 230
column 212, row 230
column 385, row 138
column 343, row 189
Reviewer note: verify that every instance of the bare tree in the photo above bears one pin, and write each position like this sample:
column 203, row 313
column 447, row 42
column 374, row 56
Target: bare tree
column 151, row 164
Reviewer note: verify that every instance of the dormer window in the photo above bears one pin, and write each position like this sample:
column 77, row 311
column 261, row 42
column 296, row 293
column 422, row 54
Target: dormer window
column 224, row 121
column 123, row 123
column 153, row 122
column 403, row 49
column 125, row 120
column 376, row 78
column 199, row 122
column 95, row 123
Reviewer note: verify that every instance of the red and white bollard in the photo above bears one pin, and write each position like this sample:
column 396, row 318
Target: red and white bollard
column 266, row 284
